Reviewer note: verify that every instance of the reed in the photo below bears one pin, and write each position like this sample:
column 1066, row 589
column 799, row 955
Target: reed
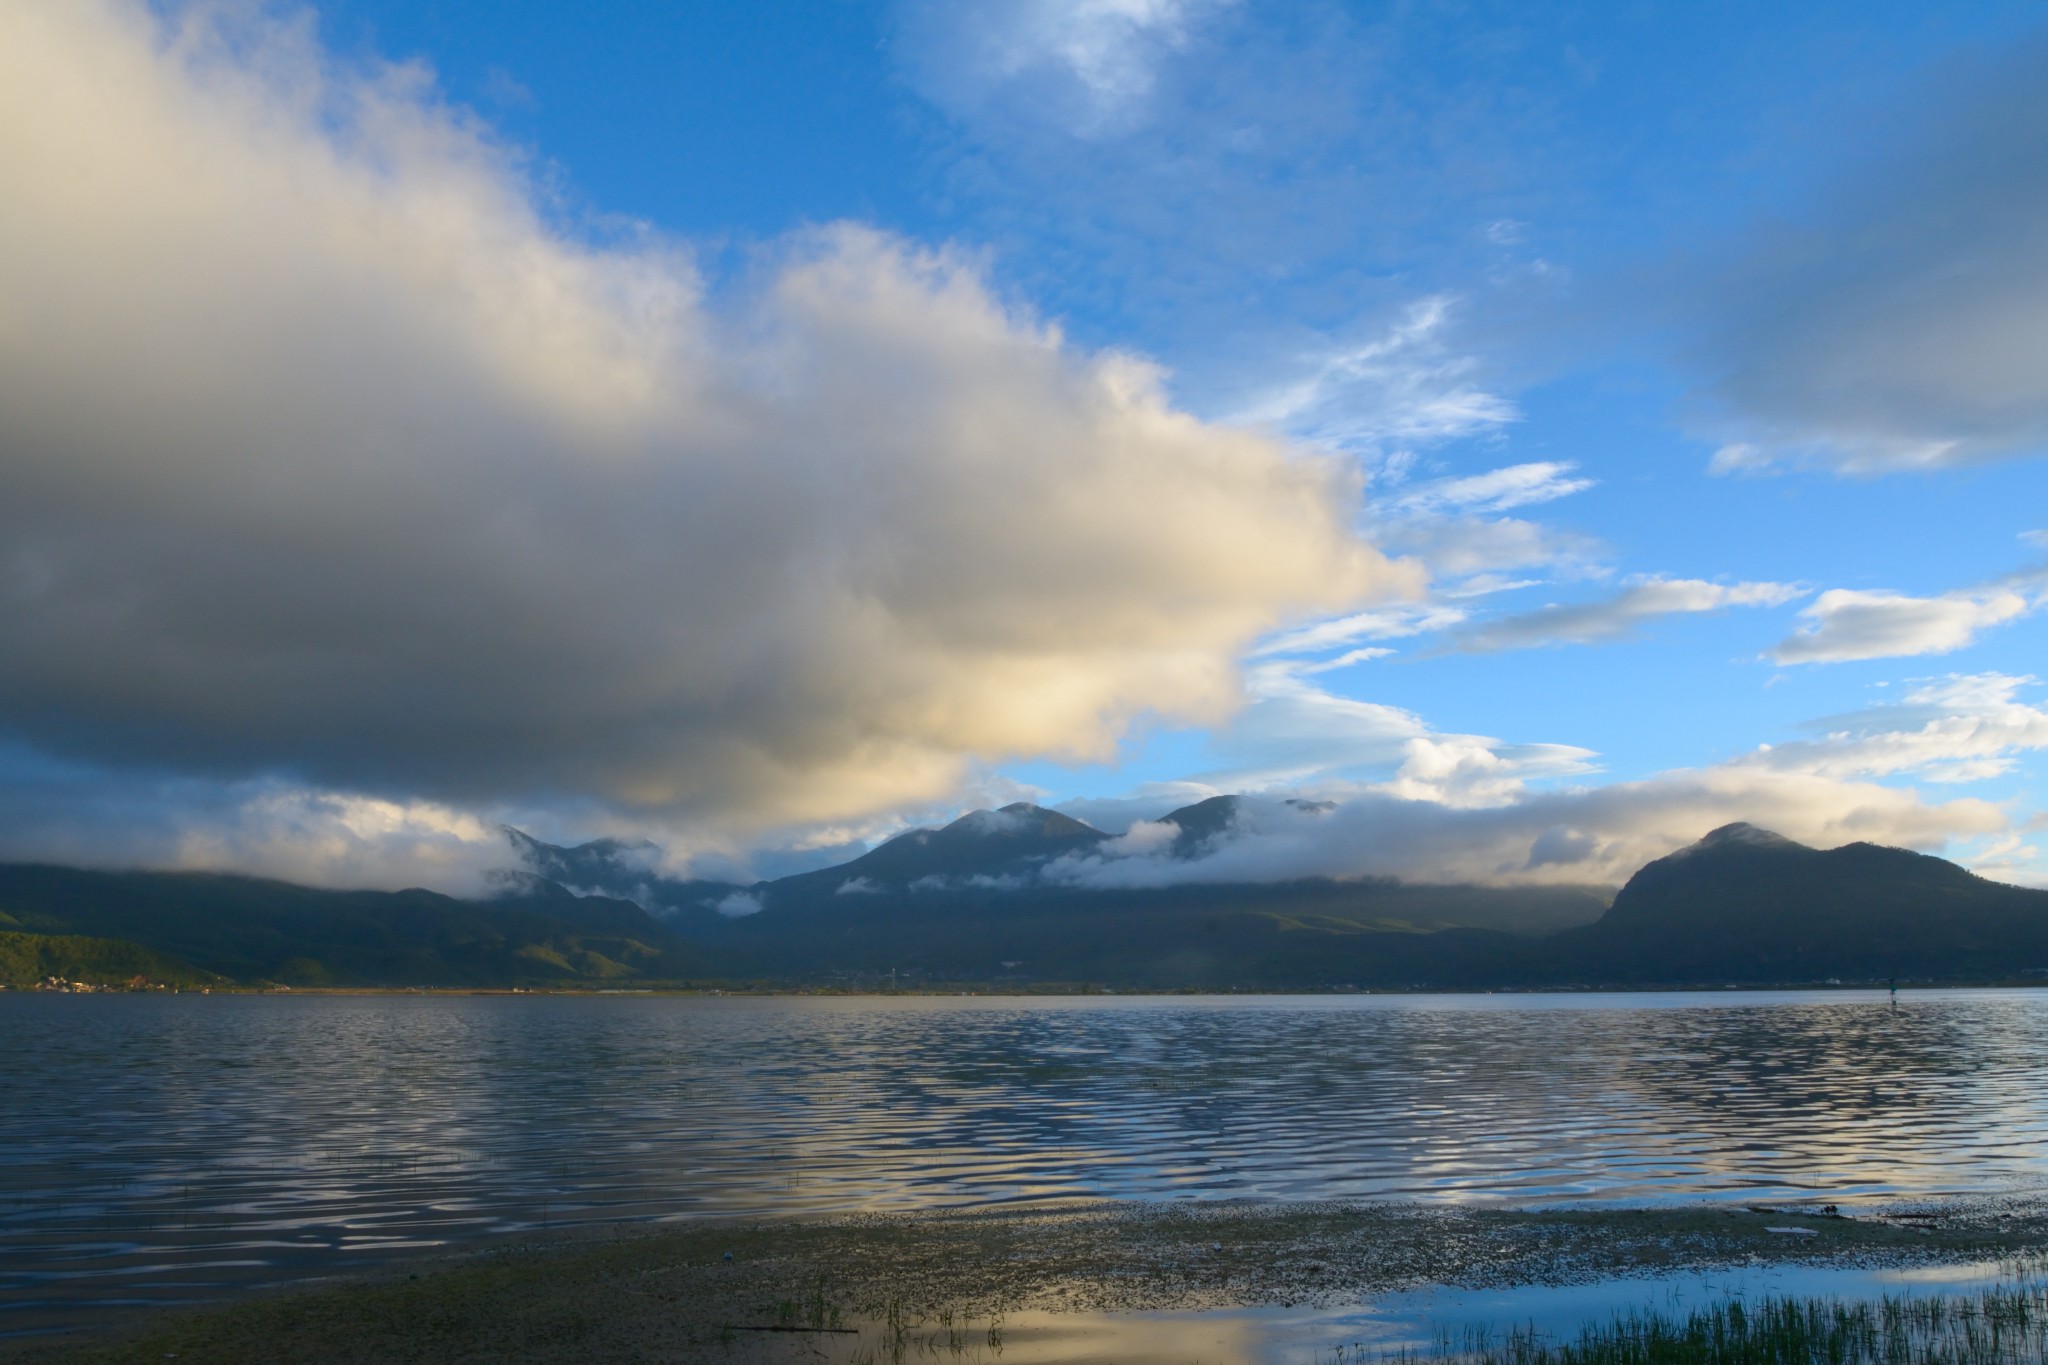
column 2003, row 1325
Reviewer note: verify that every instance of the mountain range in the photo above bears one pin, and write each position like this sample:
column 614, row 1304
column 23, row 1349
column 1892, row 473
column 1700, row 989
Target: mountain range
column 995, row 900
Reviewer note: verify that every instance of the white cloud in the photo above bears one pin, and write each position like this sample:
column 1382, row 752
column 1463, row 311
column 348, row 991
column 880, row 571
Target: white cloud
column 322, row 453
column 1611, row 618
column 1118, row 814
column 1961, row 728
column 1345, row 660
column 1474, row 551
column 1470, row 771
column 75, row 814
column 1450, row 526
column 1379, row 623
column 1844, row 624
column 1083, row 66
column 1454, row 528
column 1403, row 387
column 1497, row 490
column 738, row 905
column 1143, row 839
column 1297, row 733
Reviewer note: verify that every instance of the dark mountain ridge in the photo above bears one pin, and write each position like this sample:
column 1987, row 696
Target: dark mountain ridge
column 254, row 930
column 967, row 903
column 1011, row 843
column 1746, row 904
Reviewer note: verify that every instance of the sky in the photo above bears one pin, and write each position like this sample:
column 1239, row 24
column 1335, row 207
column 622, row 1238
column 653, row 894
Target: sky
column 1544, row 433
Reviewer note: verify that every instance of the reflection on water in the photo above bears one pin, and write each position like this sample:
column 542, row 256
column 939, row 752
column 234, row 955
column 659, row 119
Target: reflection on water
column 1435, row 1325
column 155, row 1148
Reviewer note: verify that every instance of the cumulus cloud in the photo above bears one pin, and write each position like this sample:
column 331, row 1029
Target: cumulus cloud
column 1844, row 624
column 323, row 454
column 1900, row 322
column 1611, row 618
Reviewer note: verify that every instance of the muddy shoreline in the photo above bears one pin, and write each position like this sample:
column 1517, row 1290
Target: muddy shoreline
column 708, row 1289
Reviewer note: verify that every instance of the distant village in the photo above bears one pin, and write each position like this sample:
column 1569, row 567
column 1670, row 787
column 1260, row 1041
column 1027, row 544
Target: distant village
column 62, row 986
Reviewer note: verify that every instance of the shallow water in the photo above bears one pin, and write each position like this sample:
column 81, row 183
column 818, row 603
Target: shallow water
column 160, row 1148
column 1419, row 1324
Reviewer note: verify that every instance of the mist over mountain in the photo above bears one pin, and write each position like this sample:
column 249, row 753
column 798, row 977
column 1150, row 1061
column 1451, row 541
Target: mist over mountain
column 989, row 849
column 987, row 900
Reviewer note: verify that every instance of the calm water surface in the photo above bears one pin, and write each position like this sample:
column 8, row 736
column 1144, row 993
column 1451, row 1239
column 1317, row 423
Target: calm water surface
column 157, row 1148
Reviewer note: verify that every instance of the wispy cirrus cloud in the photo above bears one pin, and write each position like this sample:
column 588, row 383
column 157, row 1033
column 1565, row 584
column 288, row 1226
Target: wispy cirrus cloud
column 1297, row 733
column 1496, row 490
column 1085, row 67
column 1405, row 386
column 1377, row 623
column 1615, row 617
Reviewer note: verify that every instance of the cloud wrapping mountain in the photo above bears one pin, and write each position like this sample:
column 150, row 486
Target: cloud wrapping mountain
column 1584, row 835
column 324, row 453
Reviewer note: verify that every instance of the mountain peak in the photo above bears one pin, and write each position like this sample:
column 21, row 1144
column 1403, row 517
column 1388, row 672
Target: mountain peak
column 1742, row 833
column 1020, row 819
column 1010, row 842
column 1202, row 824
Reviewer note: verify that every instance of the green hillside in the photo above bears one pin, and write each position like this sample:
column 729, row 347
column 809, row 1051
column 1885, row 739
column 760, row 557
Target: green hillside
column 27, row 959
column 256, row 931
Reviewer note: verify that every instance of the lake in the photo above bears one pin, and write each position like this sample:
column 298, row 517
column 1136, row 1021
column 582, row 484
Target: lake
column 164, row 1148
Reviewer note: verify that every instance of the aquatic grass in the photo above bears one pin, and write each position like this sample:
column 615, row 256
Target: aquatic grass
column 946, row 1335
column 2001, row 1325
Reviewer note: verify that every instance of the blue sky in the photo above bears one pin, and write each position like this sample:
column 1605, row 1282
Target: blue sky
column 1518, row 416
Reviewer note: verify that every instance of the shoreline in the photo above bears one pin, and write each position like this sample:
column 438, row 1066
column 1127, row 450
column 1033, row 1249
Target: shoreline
column 640, row 1292
column 1046, row 992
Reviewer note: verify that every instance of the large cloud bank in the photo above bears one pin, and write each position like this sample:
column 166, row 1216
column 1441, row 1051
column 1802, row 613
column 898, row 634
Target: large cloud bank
column 323, row 453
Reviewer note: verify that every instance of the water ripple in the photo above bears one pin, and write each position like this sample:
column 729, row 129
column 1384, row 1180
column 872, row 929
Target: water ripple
column 158, row 1148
